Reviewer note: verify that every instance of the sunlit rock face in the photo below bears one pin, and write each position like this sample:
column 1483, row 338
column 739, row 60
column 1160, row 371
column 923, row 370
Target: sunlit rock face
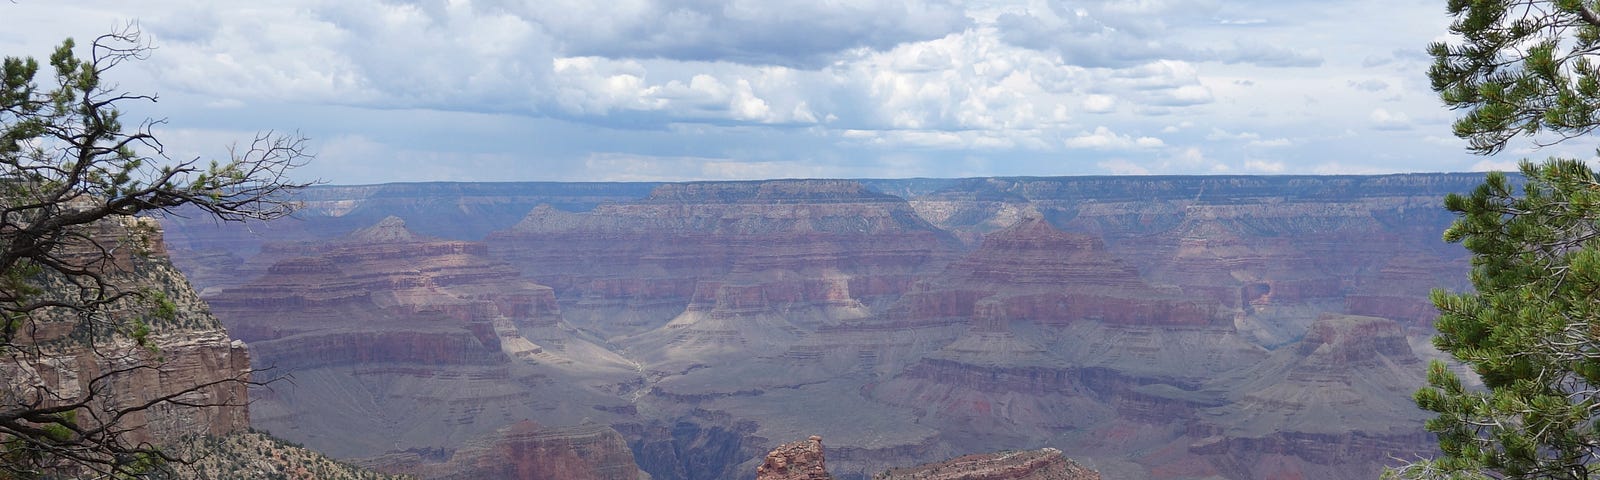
column 1155, row 327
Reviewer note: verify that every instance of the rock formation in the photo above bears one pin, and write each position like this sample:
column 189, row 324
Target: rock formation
column 678, row 268
column 256, row 455
column 428, row 341
column 188, row 353
column 1042, row 464
column 802, row 460
column 527, row 451
column 1157, row 327
column 1340, row 394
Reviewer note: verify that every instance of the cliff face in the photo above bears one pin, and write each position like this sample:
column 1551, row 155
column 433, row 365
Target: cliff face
column 425, row 342
column 1339, row 395
column 188, row 353
column 1157, row 327
column 695, row 271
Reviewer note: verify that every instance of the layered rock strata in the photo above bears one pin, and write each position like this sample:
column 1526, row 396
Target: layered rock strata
column 1157, row 326
column 1042, row 464
column 63, row 357
column 425, row 340
column 527, row 451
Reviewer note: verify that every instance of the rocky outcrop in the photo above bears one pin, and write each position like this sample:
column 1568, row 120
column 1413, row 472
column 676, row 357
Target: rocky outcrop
column 1042, row 464
column 187, row 356
column 252, row 454
column 802, row 460
column 527, row 451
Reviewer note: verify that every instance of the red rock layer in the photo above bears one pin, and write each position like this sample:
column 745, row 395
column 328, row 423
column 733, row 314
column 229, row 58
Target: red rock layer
column 384, row 295
column 1031, row 271
column 782, row 244
column 395, row 341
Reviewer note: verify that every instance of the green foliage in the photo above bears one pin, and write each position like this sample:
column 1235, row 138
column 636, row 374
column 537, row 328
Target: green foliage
column 1524, row 67
column 1530, row 330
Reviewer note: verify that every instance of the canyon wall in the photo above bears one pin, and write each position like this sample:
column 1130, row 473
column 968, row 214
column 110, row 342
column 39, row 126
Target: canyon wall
column 1156, row 327
column 62, row 357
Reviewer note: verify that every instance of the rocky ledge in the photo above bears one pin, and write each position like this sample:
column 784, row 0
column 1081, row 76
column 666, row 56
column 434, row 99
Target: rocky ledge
column 1042, row 464
column 802, row 460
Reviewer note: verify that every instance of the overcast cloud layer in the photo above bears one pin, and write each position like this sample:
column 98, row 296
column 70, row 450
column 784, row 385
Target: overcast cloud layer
column 587, row 90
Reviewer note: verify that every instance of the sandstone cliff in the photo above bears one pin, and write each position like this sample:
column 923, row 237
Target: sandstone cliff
column 188, row 354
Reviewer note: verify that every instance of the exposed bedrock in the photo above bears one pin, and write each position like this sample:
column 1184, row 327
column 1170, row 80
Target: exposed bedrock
column 1159, row 327
column 1337, row 399
column 792, row 243
column 54, row 360
column 1041, row 464
column 699, row 445
column 802, row 460
column 525, row 451
column 392, row 341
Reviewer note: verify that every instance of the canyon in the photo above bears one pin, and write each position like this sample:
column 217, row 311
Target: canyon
column 1147, row 327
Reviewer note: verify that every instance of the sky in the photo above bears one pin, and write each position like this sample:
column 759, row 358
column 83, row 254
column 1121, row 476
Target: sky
column 672, row 90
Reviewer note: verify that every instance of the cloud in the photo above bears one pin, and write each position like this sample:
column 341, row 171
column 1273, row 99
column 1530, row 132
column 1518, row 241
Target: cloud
column 1120, row 166
column 1499, row 165
column 624, row 167
column 1117, row 34
column 1272, row 143
column 1369, row 85
column 1338, row 168
column 1103, row 138
column 1099, row 103
column 361, row 53
column 1385, row 120
column 1264, row 166
column 1220, row 134
column 700, row 88
column 1261, row 54
column 791, row 33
